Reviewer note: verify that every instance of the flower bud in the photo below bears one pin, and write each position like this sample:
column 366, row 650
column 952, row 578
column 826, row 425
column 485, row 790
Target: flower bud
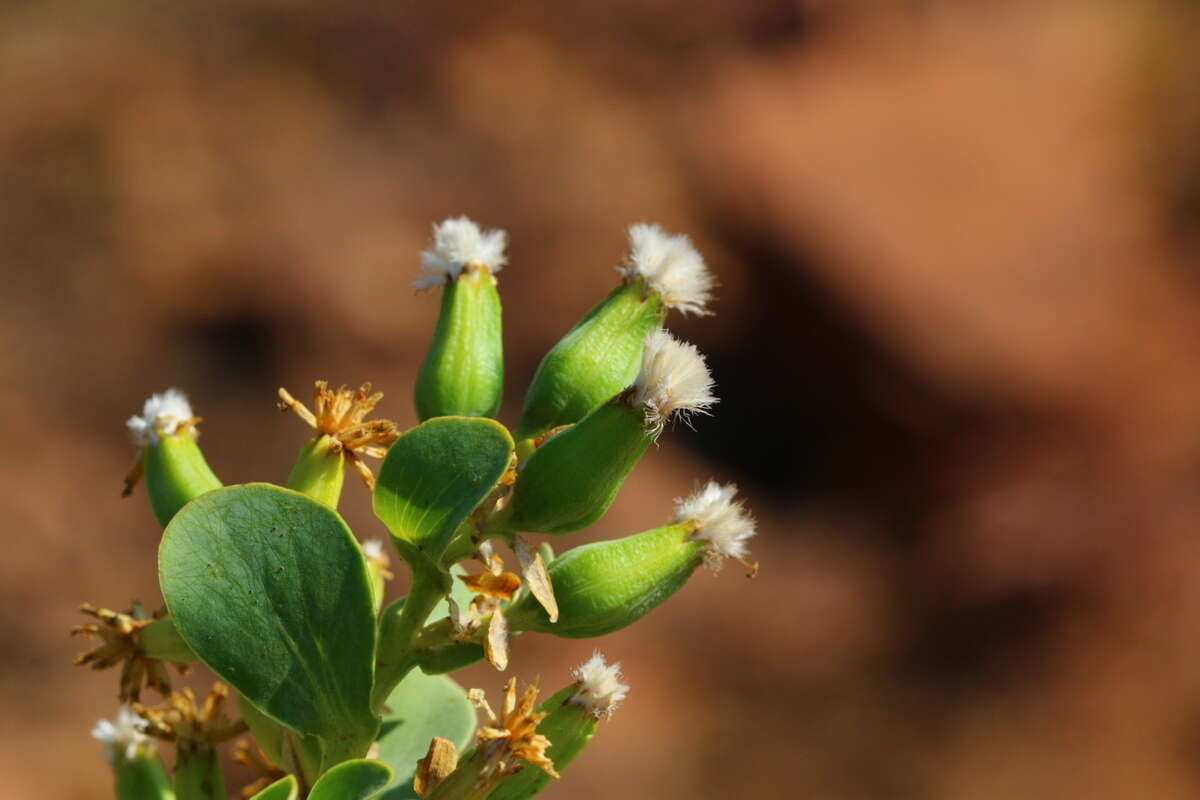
column 600, row 356
column 171, row 461
column 571, row 480
column 604, row 586
column 572, row 716
column 137, row 770
column 463, row 372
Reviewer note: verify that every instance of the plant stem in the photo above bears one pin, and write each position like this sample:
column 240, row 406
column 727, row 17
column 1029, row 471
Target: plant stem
column 397, row 628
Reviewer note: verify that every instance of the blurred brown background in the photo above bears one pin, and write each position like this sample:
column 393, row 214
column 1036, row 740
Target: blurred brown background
column 957, row 346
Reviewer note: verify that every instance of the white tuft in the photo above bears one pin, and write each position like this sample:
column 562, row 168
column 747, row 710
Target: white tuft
column 373, row 549
column 162, row 413
column 674, row 380
column 459, row 243
column 672, row 267
column 600, row 688
column 721, row 521
column 122, row 738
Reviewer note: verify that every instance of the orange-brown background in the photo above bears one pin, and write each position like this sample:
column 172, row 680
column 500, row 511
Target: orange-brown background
column 957, row 345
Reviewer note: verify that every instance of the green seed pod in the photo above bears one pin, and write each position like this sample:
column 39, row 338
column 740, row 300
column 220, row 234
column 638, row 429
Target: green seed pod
column 605, row 586
column 174, row 467
column 143, row 778
column 319, row 472
column 571, row 480
column 198, row 772
column 600, row 356
column 137, row 770
column 572, row 716
column 463, row 372
column 597, row 358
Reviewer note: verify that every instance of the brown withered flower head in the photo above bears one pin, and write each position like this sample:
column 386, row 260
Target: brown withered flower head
column 340, row 416
column 120, row 641
column 181, row 720
column 512, row 738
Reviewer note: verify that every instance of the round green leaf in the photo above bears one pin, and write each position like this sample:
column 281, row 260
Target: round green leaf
column 283, row 789
column 270, row 589
column 420, row 708
column 435, row 475
column 352, row 780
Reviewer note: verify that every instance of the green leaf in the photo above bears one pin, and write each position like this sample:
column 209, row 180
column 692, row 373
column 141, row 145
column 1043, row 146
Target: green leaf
column 420, row 708
column 352, row 780
column 266, row 732
column 283, row 789
column 269, row 588
column 433, row 478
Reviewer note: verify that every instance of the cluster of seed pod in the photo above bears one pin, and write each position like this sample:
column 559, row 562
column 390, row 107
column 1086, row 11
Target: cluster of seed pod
column 597, row 401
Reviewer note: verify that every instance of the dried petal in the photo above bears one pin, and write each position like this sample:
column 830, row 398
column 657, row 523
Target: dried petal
column 440, row 761
column 533, row 568
column 496, row 645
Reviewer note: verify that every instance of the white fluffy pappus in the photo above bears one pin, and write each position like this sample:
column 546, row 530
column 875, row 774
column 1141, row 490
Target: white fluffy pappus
column 123, row 737
column 600, row 689
column 162, row 413
column 722, row 522
column 373, row 549
column 672, row 266
column 674, row 379
column 458, row 243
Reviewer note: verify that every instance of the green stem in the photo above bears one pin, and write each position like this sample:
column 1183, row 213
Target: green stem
column 400, row 623
column 463, row 546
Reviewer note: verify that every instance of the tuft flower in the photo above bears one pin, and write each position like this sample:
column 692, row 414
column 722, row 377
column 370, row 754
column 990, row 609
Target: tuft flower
column 459, row 243
column 166, row 413
column 124, row 737
column 722, row 523
column 674, row 380
column 339, row 415
column 671, row 266
column 600, row 688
